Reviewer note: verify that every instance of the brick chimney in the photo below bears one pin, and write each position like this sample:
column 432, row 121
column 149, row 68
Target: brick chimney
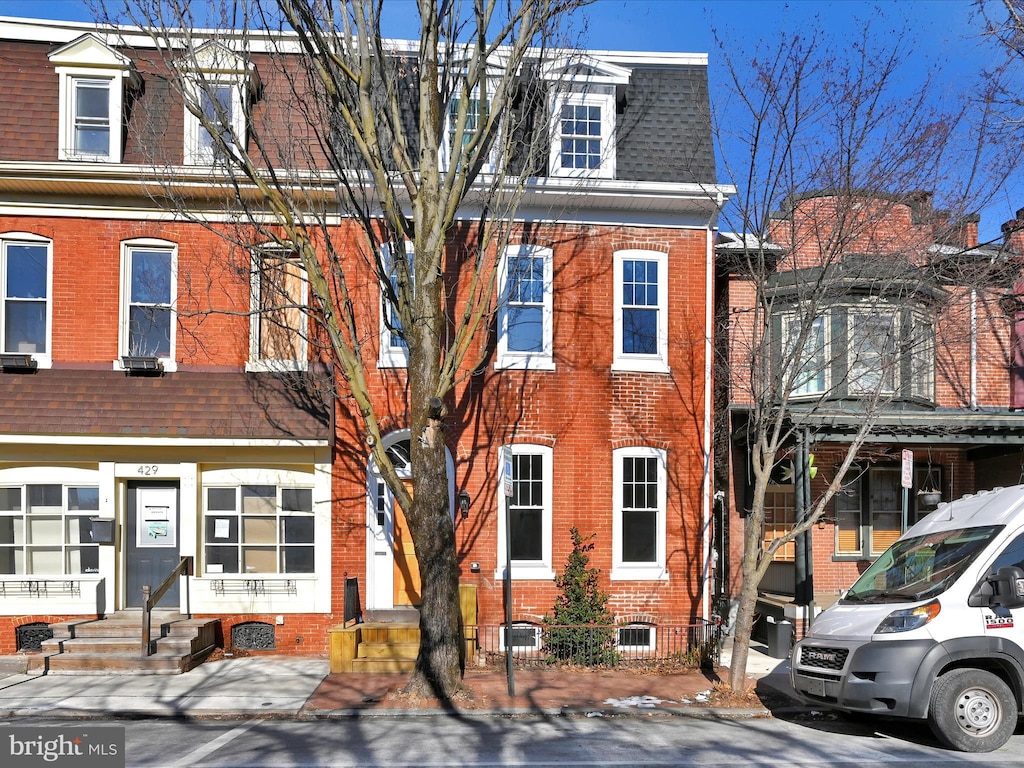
column 1013, row 232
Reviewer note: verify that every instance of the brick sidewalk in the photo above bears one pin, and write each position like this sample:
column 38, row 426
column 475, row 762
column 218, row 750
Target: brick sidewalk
column 537, row 690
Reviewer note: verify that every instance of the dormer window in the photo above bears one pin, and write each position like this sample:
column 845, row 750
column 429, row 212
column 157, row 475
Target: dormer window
column 93, row 80
column 217, row 88
column 583, row 116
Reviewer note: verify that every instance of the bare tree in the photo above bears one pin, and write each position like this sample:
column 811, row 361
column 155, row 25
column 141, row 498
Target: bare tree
column 363, row 153
column 830, row 220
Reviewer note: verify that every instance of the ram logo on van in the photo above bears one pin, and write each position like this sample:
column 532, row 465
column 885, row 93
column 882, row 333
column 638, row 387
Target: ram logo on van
column 998, row 622
column 825, row 657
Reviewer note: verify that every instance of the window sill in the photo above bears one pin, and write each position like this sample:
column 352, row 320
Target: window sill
column 633, row 365
column 393, row 361
column 639, row 573
column 276, row 366
column 526, row 573
column 537, row 363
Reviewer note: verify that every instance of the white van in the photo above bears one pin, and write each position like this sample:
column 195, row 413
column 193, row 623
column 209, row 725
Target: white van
column 933, row 629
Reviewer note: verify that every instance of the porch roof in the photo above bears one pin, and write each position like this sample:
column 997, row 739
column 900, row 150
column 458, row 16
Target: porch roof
column 184, row 404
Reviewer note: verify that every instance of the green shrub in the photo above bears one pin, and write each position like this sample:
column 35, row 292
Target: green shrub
column 579, row 630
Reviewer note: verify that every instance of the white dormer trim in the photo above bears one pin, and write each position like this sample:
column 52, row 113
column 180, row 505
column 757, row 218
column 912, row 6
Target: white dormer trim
column 584, row 86
column 582, row 69
column 213, row 67
column 88, row 62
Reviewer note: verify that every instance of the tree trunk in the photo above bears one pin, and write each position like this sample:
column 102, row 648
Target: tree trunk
column 747, row 600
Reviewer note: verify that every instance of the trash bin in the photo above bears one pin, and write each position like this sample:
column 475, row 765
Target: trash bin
column 780, row 637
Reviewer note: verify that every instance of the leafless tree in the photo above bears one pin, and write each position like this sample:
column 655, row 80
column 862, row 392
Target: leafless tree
column 837, row 144
column 362, row 155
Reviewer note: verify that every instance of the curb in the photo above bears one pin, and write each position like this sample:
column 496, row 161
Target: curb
column 697, row 713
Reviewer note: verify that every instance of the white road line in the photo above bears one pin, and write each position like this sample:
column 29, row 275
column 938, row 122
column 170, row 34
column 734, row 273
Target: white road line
column 196, row 755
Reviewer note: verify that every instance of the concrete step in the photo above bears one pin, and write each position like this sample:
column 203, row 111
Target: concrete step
column 183, row 644
column 105, row 664
column 388, row 650
column 113, row 645
column 383, row 666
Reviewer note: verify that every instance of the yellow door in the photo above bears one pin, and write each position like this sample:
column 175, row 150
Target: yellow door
column 407, row 567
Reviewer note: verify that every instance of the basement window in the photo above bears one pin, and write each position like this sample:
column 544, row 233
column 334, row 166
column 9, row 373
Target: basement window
column 253, row 636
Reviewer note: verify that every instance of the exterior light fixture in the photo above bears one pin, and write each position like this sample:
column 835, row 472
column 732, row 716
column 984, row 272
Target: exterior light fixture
column 464, row 504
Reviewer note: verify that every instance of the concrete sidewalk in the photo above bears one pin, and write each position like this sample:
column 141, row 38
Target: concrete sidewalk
column 295, row 687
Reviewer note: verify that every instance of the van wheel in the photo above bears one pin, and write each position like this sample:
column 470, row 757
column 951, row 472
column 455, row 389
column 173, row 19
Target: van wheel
column 972, row 710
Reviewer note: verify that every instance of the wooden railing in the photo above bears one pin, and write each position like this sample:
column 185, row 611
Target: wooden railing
column 183, row 568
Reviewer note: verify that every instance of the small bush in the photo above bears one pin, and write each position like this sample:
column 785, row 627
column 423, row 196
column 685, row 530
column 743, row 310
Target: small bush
column 590, row 640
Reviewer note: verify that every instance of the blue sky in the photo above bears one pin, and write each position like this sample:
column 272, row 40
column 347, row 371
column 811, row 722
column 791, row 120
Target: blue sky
column 945, row 36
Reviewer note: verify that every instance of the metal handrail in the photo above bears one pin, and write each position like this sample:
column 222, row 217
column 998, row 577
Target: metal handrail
column 183, row 568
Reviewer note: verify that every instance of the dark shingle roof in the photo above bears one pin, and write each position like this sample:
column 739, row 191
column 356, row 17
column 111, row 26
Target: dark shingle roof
column 184, row 404
column 664, row 127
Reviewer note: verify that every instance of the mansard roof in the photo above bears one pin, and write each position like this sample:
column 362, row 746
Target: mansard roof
column 663, row 132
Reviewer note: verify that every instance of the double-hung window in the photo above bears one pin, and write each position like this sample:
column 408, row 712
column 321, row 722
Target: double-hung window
column 25, row 276
column 218, row 84
column 529, row 511
column 525, row 314
column 805, row 364
column 258, row 529
column 148, row 296
column 583, row 112
column 639, row 514
column 394, row 351
column 45, row 529
column 93, row 79
column 91, row 118
column 464, row 119
column 873, row 351
column 641, row 311
column 278, row 326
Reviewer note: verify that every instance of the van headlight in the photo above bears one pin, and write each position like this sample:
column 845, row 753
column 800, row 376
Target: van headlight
column 907, row 619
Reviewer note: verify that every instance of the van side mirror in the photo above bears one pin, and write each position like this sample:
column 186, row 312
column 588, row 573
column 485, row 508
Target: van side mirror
column 1007, row 588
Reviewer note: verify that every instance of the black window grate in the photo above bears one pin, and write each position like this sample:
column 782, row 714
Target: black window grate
column 30, row 637
column 253, row 636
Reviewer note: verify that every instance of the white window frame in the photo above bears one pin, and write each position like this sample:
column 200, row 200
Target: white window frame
column 650, row 363
column 583, row 80
column 257, row 362
column 445, row 153
column 89, row 59
column 212, row 66
column 605, row 100
column 128, row 247
column 196, row 90
column 516, row 359
column 822, row 372
column 391, row 355
column 42, row 359
column 853, row 354
column 637, row 650
column 523, row 649
column 523, row 570
column 632, row 571
column 64, row 478
column 239, row 517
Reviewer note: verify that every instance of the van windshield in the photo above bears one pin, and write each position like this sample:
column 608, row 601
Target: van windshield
column 920, row 567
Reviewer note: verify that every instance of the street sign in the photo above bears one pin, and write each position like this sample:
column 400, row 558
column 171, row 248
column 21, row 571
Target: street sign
column 907, row 479
column 506, row 471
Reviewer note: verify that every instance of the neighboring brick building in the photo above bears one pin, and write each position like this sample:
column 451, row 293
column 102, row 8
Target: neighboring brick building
column 143, row 385
column 916, row 313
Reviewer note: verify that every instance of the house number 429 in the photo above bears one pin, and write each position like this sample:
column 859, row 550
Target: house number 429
column 149, row 470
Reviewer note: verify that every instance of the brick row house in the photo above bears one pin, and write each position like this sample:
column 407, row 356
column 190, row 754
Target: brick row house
column 155, row 407
column 918, row 331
